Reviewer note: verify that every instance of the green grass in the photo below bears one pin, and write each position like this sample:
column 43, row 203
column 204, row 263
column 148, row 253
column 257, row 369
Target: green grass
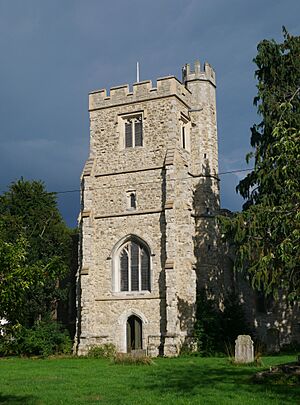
column 190, row 380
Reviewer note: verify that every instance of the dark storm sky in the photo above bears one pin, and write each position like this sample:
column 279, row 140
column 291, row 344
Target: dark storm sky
column 53, row 52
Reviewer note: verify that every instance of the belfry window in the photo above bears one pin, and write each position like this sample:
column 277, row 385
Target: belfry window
column 134, row 267
column 133, row 131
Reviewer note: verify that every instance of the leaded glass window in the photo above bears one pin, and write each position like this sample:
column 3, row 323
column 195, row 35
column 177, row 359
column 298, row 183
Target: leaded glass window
column 134, row 131
column 134, row 267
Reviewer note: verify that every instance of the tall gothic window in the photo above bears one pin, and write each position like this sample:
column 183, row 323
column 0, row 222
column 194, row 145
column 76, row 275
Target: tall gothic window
column 134, row 267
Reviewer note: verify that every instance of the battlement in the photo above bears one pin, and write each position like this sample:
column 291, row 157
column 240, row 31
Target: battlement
column 141, row 91
column 195, row 73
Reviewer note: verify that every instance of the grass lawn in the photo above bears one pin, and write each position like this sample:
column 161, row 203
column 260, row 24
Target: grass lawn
column 192, row 380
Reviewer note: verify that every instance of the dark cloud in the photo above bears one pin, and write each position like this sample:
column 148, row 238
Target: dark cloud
column 53, row 53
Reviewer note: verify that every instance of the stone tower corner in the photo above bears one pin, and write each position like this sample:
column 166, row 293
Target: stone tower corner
column 191, row 73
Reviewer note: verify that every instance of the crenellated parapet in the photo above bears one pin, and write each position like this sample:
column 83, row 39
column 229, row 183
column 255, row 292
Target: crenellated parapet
column 190, row 73
column 141, row 91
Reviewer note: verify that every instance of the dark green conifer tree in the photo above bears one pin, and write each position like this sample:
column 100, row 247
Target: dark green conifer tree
column 35, row 237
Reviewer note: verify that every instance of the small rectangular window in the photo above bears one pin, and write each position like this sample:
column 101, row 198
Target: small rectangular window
column 131, row 200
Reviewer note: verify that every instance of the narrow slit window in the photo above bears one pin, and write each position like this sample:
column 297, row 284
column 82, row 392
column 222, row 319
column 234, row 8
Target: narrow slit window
column 183, row 138
column 133, row 201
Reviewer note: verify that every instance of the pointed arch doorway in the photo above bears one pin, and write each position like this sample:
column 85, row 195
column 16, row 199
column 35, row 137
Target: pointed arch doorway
column 134, row 333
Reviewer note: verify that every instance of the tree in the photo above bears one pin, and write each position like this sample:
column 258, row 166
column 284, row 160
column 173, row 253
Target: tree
column 35, row 249
column 15, row 278
column 267, row 232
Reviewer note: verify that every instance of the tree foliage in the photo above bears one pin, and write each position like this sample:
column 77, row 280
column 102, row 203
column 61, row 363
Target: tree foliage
column 16, row 278
column 267, row 232
column 34, row 252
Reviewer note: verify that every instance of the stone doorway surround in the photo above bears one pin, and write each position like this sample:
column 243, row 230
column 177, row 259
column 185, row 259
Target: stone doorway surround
column 122, row 323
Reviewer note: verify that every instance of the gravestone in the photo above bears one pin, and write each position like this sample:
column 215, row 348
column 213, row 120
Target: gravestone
column 244, row 350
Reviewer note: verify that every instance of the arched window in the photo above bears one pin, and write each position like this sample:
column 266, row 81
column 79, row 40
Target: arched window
column 133, row 267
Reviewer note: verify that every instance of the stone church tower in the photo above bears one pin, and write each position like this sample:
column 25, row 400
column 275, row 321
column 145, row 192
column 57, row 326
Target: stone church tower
column 149, row 194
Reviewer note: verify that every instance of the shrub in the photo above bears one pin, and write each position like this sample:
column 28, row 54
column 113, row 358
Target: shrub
column 189, row 347
column 292, row 347
column 8, row 345
column 107, row 351
column 207, row 326
column 233, row 321
column 216, row 331
column 43, row 339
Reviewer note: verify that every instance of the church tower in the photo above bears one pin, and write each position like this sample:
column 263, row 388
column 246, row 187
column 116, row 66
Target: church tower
column 149, row 194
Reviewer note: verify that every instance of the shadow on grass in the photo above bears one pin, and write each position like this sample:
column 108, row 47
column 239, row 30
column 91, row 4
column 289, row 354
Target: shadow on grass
column 225, row 381
column 16, row 399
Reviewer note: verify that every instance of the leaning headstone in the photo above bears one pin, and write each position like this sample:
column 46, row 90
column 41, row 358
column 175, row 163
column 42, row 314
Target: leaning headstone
column 244, row 350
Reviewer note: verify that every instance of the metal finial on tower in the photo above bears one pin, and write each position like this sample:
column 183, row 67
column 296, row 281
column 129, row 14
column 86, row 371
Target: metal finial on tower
column 137, row 72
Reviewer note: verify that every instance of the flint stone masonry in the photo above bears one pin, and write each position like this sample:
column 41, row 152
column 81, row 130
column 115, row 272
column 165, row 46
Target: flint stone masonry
column 244, row 349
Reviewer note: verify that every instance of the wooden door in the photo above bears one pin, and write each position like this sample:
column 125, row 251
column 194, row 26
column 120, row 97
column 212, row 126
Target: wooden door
column 134, row 333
